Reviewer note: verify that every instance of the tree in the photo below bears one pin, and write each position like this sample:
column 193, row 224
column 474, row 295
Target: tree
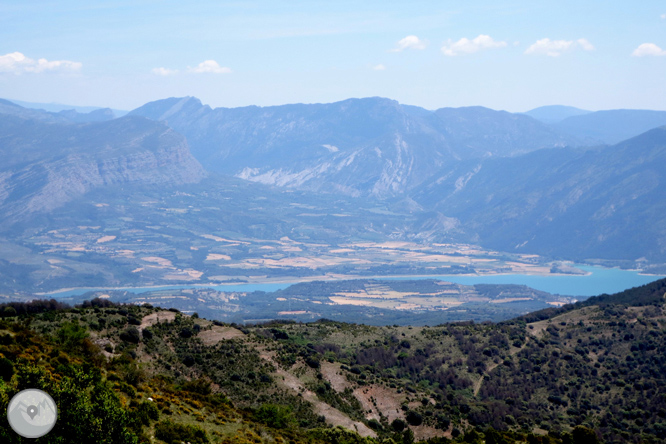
column 131, row 335
column 276, row 416
column 584, row 435
column 6, row 369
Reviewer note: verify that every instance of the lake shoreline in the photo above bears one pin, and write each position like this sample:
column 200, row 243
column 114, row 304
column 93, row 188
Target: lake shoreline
column 293, row 281
column 593, row 281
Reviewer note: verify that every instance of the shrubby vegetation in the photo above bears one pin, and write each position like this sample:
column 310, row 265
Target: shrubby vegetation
column 581, row 374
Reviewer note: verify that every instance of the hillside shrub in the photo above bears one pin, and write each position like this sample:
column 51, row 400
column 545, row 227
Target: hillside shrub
column 174, row 433
column 71, row 335
column 273, row 415
column 131, row 335
column 6, row 369
column 414, row 418
column 398, row 425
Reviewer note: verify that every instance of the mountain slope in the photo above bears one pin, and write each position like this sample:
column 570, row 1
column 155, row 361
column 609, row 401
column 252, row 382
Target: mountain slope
column 371, row 146
column 58, row 107
column 555, row 113
column 133, row 373
column 47, row 163
column 603, row 203
column 612, row 126
column 476, row 132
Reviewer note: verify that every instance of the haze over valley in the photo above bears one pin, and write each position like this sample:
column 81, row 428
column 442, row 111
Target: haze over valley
column 177, row 193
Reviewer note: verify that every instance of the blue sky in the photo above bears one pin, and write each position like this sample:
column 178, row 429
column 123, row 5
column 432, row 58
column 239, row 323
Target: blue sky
column 512, row 55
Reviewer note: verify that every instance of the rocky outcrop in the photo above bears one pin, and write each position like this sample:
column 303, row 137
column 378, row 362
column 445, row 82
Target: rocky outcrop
column 49, row 164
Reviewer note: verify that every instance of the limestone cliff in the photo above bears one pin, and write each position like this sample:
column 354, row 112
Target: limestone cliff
column 47, row 164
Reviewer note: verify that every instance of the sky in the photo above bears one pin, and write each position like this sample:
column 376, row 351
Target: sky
column 509, row 55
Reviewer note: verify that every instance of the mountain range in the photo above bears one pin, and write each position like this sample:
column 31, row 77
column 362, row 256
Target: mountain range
column 517, row 183
column 571, row 202
column 177, row 192
column 371, row 147
column 555, row 113
column 58, row 107
column 49, row 161
column 353, row 171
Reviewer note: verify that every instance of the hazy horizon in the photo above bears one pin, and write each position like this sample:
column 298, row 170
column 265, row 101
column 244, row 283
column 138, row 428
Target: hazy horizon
column 96, row 106
column 515, row 57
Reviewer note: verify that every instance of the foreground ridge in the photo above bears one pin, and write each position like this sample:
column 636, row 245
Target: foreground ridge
column 580, row 373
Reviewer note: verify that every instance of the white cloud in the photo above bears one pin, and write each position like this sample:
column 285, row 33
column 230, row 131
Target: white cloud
column 467, row 46
column 164, row 71
column 648, row 49
column 585, row 44
column 18, row 64
column 555, row 48
column 663, row 16
column 410, row 42
column 379, row 67
column 209, row 66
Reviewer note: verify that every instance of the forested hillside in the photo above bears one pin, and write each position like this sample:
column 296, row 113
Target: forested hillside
column 128, row 373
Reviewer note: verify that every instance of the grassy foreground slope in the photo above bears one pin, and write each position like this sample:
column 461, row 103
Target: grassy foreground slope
column 122, row 374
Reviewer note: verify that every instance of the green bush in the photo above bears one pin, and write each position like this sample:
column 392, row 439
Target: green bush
column 340, row 435
column 398, row 425
column 584, row 435
column 201, row 386
column 146, row 411
column 131, row 335
column 276, row 416
column 6, row 369
column 71, row 335
column 414, row 418
column 174, row 433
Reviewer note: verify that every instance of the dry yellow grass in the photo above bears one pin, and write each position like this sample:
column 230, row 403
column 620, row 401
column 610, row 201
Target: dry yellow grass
column 158, row 260
column 218, row 333
column 160, row 316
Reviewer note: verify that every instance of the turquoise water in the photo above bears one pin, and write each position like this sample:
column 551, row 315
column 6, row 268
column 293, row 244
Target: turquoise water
column 229, row 288
column 600, row 280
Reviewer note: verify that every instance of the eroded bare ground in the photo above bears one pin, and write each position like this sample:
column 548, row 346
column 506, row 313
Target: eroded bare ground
column 423, row 432
column 333, row 374
column 377, row 399
column 333, row 416
column 219, row 333
column 160, row 316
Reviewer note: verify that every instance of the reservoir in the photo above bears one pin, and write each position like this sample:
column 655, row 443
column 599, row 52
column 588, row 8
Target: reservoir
column 598, row 280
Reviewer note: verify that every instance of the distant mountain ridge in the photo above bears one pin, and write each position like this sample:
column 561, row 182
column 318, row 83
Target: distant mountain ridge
column 612, row 126
column 61, row 116
column 605, row 202
column 48, row 160
column 372, row 146
column 58, row 107
column 474, row 175
column 555, row 113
